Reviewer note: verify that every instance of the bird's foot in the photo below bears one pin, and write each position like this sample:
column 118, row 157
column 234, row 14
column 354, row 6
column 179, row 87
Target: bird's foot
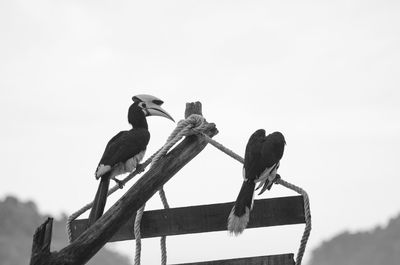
column 140, row 168
column 268, row 183
column 277, row 177
column 260, row 184
column 266, row 186
column 120, row 183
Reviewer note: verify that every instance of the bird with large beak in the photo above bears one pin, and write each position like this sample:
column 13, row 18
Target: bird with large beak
column 126, row 149
column 261, row 162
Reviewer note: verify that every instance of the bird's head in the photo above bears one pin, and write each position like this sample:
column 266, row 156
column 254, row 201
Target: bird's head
column 149, row 106
column 278, row 138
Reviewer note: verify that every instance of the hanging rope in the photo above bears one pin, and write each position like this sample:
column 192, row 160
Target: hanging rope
column 138, row 235
column 163, row 240
column 307, row 214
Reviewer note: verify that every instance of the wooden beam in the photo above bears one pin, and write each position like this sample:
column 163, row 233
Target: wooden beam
column 205, row 218
column 284, row 259
column 96, row 236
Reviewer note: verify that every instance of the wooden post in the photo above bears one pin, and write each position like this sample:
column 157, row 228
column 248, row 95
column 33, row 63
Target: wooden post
column 96, row 236
column 41, row 242
column 193, row 108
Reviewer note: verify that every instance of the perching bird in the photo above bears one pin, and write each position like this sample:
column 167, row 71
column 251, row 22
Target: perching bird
column 261, row 162
column 126, row 149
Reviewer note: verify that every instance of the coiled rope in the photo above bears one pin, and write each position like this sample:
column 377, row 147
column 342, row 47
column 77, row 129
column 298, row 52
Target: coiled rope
column 194, row 124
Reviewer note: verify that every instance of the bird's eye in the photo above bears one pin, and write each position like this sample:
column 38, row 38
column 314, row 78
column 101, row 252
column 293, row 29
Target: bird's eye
column 143, row 105
column 158, row 102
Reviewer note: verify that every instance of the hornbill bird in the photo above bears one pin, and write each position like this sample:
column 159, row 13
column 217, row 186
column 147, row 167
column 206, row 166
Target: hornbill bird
column 126, row 149
column 261, row 162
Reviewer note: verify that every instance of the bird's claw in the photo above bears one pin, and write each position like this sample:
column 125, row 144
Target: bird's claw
column 268, row 184
column 277, row 177
column 140, row 168
column 120, row 183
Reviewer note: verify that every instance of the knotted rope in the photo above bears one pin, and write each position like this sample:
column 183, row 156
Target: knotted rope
column 193, row 124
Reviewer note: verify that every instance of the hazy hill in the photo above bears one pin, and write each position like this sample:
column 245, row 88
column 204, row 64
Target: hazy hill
column 380, row 246
column 18, row 222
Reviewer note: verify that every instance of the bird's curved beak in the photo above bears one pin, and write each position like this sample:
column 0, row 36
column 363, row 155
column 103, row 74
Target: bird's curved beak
column 152, row 109
column 152, row 106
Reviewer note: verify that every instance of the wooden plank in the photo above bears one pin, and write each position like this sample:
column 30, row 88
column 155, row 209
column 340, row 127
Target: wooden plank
column 284, row 259
column 206, row 218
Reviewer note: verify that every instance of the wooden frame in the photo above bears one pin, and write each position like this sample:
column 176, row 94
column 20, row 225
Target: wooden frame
column 117, row 223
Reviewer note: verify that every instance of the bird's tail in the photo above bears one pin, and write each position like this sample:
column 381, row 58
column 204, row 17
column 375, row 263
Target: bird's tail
column 99, row 200
column 240, row 214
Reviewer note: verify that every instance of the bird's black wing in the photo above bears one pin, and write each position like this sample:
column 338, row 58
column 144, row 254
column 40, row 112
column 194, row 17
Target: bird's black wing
column 253, row 164
column 262, row 152
column 271, row 153
column 125, row 145
column 109, row 144
column 272, row 150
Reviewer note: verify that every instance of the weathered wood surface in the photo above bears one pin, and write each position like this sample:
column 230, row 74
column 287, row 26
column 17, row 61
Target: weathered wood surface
column 205, row 218
column 41, row 242
column 193, row 108
column 95, row 237
column 284, row 259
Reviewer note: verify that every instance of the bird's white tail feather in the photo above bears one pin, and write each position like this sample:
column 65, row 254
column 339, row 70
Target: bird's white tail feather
column 237, row 224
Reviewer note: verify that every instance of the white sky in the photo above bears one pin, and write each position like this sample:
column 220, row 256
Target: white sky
column 325, row 73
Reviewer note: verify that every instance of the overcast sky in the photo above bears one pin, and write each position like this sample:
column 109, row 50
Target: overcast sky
column 324, row 73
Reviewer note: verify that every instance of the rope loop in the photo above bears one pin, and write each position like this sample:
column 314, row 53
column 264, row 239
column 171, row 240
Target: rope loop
column 138, row 235
column 307, row 215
